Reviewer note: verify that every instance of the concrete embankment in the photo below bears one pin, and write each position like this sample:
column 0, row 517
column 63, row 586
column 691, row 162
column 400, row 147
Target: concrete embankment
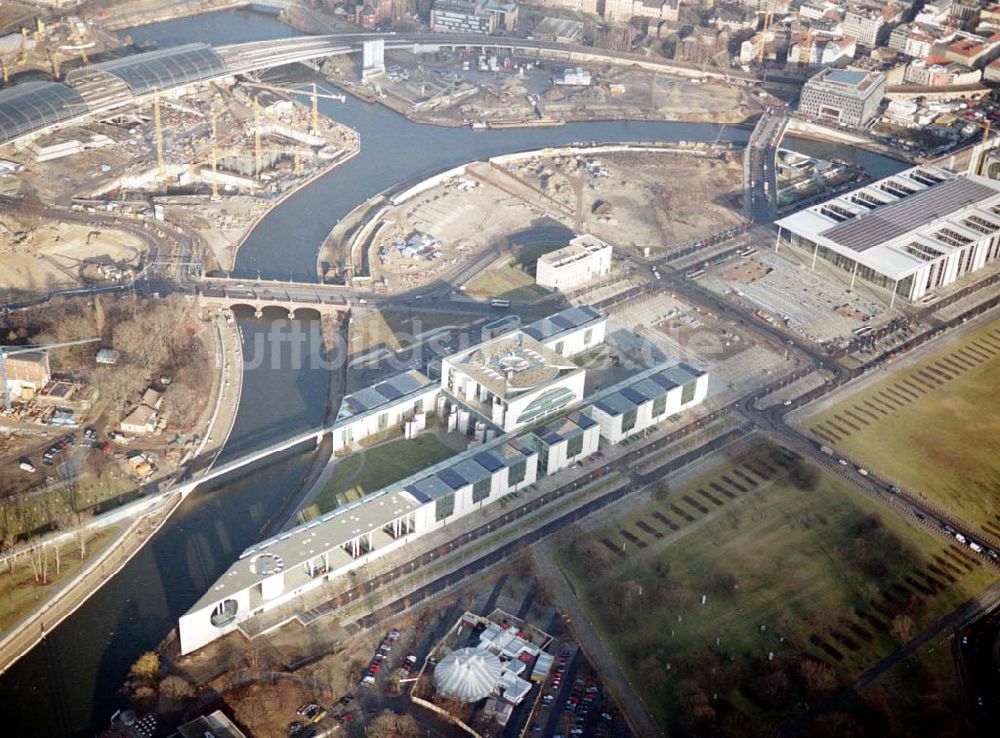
column 150, row 13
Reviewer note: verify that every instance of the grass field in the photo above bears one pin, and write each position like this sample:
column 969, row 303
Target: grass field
column 806, row 584
column 510, row 282
column 935, row 427
column 365, row 472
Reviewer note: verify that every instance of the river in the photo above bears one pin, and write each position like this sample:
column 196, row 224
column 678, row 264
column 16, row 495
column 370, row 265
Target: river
column 68, row 685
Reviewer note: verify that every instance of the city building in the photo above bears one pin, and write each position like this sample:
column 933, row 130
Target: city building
column 847, row 97
column 511, row 381
column 641, row 402
column 585, row 258
column 270, row 575
column 871, row 25
column 570, row 332
column 27, row 373
column 565, row 441
column 929, row 74
column 140, row 422
column 473, row 16
column 384, row 407
column 910, row 233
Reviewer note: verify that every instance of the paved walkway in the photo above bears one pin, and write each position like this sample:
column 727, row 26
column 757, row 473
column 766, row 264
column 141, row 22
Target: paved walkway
column 590, row 641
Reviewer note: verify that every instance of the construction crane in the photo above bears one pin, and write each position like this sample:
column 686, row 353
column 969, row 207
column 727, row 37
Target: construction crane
column 79, row 40
column 805, row 50
column 6, row 351
column 768, row 15
column 256, row 135
column 987, row 126
column 6, row 74
column 215, row 184
column 160, row 166
column 315, row 111
column 54, row 63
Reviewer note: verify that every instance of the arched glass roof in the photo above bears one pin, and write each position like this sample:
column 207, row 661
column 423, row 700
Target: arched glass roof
column 31, row 106
column 157, row 70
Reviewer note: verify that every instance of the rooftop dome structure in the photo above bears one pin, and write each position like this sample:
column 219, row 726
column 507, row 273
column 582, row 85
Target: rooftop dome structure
column 468, row 674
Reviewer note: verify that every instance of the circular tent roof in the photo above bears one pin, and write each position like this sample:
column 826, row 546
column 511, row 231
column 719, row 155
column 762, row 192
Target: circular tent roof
column 468, row 674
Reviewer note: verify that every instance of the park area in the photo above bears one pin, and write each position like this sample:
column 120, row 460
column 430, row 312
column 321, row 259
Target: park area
column 932, row 426
column 512, row 278
column 736, row 599
column 367, row 470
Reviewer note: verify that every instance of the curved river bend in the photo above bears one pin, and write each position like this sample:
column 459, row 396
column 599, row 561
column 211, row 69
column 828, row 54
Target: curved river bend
column 67, row 686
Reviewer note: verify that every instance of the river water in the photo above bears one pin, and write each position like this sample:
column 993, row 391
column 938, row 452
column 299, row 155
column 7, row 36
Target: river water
column 68, row 685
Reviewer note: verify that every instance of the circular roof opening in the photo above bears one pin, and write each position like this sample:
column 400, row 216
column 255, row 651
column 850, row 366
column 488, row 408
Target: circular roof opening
column 266, row 564
column 224, row 613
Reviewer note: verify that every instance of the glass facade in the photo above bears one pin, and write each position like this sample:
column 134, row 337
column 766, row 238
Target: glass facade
column 574, row 446
column 444, row 506
column 628, row 420
column 517, row 472
column 481, row 489
column 687, row 392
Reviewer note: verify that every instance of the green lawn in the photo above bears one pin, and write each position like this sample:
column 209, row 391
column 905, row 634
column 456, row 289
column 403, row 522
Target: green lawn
column 815, row 577
column 934, row 426
column 366, row 471
column 510, row 282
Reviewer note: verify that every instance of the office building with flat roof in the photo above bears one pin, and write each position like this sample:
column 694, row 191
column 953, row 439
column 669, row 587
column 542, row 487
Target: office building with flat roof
column 847, row 97
column 909, row 233
column 585, row 258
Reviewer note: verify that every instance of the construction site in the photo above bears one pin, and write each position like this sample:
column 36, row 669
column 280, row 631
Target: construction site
column 659, row 199
column 497, row 90
column 205, row 152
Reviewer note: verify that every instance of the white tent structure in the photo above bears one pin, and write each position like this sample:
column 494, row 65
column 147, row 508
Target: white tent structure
column 468, row 674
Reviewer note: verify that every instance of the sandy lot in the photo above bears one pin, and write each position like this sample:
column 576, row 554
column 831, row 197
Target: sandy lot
column 656, row 200
column 54, row 256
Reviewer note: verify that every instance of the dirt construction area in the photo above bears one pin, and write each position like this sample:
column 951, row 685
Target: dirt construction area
column 651, row 199
column 50, row 256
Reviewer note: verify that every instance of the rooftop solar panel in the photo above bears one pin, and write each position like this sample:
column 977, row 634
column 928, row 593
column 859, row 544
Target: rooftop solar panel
column 666, row 382
column 417, row 493
column 488, row 461
column 562, row 321
column 452, row 478
column 405, row 383
column 388, row 391
column 637, row 397
column 584, row 421
column 886, row 223
column 534, row 331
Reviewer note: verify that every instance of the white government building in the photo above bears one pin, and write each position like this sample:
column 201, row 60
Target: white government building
column 584, row 259
column 910, row 233
column 537, row 390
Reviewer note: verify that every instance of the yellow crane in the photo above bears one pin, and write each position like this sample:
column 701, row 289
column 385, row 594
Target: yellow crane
column 805, row 50
column 256, row 135
column 215, row 157
column 79, row 41
column 768, row 15
column 54, row 63
column 160, row 166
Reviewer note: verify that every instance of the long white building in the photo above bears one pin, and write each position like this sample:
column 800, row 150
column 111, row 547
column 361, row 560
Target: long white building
column 909, row 233
column 560, row 432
